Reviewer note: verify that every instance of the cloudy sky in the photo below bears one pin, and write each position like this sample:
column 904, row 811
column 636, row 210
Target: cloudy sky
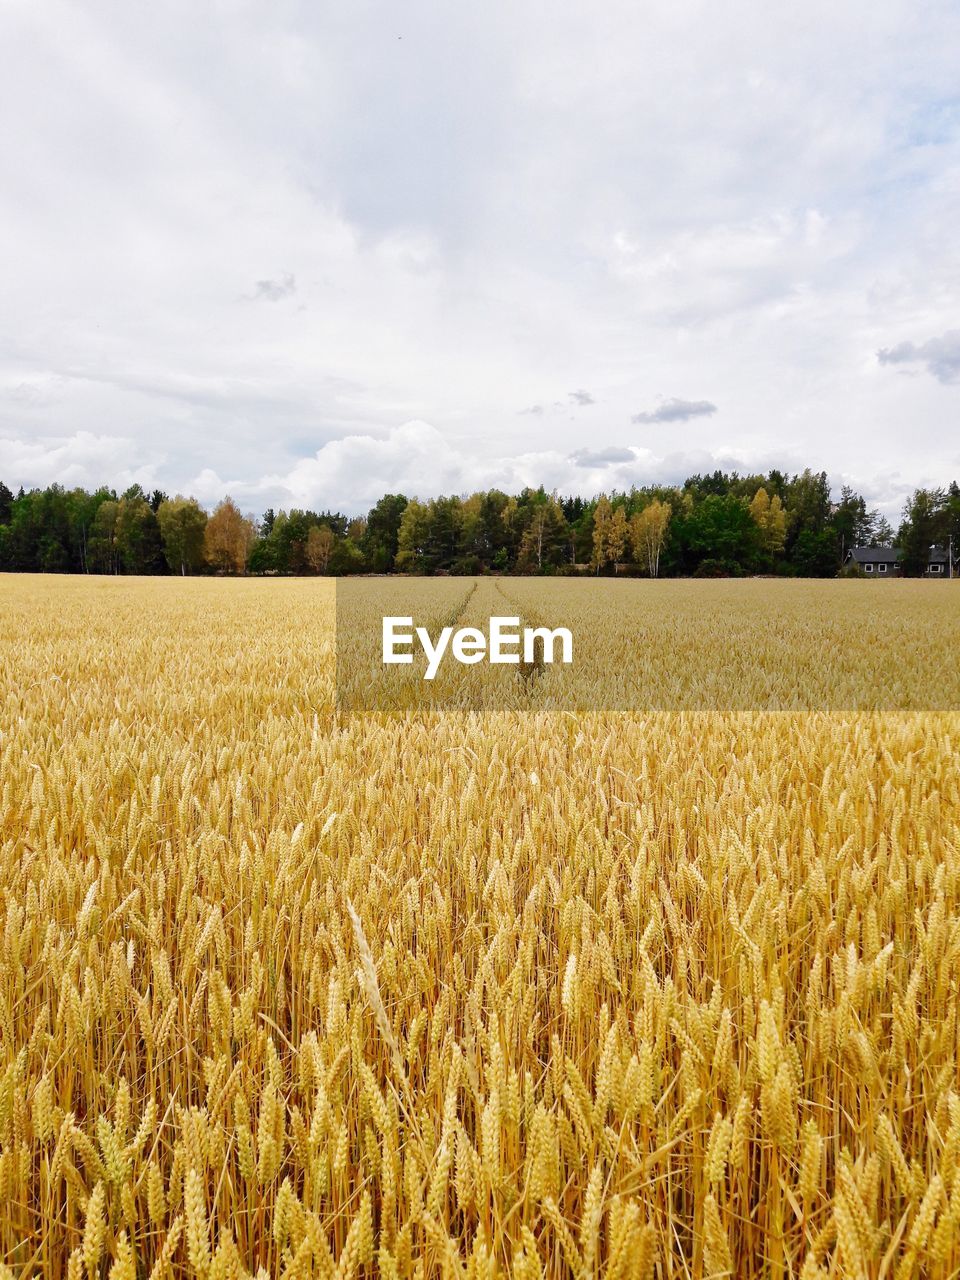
column 309, row 252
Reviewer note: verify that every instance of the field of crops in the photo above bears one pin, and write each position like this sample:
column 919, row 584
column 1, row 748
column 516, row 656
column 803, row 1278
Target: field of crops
column 545, row 988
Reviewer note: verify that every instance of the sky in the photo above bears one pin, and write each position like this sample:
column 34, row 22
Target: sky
column 308, row 253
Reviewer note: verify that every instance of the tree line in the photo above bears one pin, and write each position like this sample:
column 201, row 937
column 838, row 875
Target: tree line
column 718, row 524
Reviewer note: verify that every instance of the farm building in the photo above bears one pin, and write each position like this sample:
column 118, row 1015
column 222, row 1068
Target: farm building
column 885, row 561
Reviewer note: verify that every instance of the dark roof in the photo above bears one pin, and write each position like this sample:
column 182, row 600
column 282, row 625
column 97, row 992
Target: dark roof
column 875, row 555
column 891, row 555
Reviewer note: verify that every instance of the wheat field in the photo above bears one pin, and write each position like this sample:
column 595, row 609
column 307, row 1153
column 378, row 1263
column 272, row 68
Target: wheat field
column 668, row 992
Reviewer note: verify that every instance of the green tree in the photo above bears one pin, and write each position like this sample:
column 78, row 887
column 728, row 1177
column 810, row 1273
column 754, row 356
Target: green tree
column 807, row 502
column 882, row 533
column 925, row 524
column 602, row 520
column 104, row 557
column 852, row 523
column 815, row 554
column 82, row 508
column 346, row 557
column 446, row 523
column 412, row 537
column 722, row 528
column 544, row 538
column 138, row 539
column 37, row 537
column 183, row 523
column 291, row 535
column 493, row 534
column 952, row 519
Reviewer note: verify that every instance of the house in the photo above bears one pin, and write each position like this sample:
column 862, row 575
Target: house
column 876, row 561
column 938, row 565
column 884, row 562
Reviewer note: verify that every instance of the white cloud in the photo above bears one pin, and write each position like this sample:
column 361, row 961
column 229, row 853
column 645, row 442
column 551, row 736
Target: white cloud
column 416, row 459
column 351, row 473
column 412, row 458
column 255, row 241
column 83, row 459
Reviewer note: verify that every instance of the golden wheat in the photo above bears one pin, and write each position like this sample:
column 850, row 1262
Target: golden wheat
column 290, row 993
